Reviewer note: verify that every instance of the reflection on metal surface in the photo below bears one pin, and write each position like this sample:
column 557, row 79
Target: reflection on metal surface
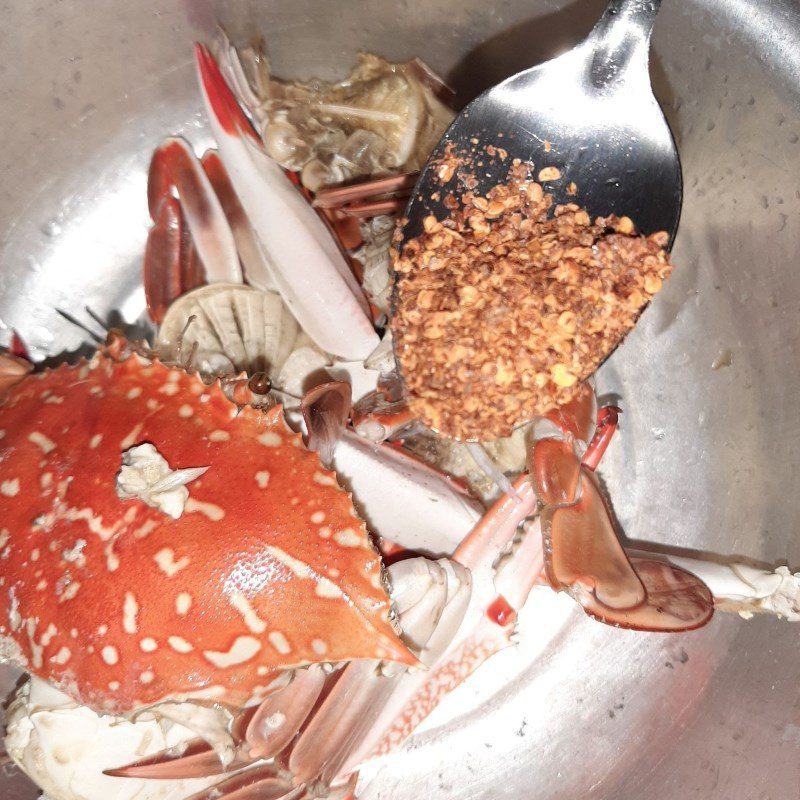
column 598, row 713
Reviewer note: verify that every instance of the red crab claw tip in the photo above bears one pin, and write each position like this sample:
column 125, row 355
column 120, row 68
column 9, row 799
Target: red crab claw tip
column 220, row 97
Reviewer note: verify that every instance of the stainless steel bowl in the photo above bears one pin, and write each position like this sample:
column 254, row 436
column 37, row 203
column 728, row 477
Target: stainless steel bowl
column 707, row 457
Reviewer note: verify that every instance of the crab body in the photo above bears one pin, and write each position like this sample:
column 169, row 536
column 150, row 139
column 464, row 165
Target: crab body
column 267, row 569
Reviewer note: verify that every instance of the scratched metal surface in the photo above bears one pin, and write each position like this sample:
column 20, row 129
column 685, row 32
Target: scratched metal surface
column 706, row 457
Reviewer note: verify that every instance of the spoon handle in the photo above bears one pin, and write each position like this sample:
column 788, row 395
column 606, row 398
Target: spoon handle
column 620, row 41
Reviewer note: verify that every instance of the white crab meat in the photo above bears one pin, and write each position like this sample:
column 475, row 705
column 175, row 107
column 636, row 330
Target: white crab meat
column 64, row 747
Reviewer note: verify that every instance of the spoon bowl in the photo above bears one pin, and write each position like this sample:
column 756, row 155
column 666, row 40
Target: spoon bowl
column 590, row 114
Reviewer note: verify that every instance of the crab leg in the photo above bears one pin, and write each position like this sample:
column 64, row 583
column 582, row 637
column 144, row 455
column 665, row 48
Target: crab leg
column 430, row 597
column 175, row 166
column 310, row 271
column 162, row 259
column 280, row 716
column 257, row 268
column 346, row 198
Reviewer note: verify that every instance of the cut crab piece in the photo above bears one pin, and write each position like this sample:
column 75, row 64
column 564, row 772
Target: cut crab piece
column 166, row 607
column 175, row 167
column 310, row 272
column 235, row 328
column 381, row 118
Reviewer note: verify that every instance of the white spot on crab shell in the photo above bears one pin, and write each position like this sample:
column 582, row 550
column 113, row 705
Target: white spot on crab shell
column 55, row 400
column 102, row 630
column 319, row 647
column 348, row 538
column 325, row 532
column 2, row 434
column 14, row 617
column 185, row 411
column 333, row 572
column 219, row 436
column 262, row 479
column 210, row 510
column 73, row 633
column 94, row 442
column 46, row 480
column 183, row 602
column 241, row 651
column 376, row 580
column 130, row 611
column 324, row 480
column 147, row 677
column 262, row 670
column 270, row 439
column 70, row 591
column 326, row 588
column 97, row 391
column 169, row 389
column 42, row 585
column 318, row 517
column 42, row 442
column 174, row 375
column 152, row 404
column 113, row 685
column 130, row 440
column 149, row 526
column 35, row 554
column 110, row 655
column 148, row 645
column 274, row 721
column 48, row 635
column 74, row 554
column 61, row 657
column 5, row 535
column 10, row 488
column 134, row 393
column 179, row 644
column 279, row 642
column 251, row 619
column 165, row 559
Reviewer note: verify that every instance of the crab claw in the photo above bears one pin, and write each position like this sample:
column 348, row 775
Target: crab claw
column 174, row 166
column 310, row 272
column 583, row 554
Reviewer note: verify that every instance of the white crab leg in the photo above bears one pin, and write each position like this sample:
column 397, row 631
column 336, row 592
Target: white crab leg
column 402, row 499
column 175, row 163
column 309, row 271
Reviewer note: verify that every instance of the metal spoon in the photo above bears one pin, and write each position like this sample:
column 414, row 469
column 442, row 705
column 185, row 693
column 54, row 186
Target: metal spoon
column 591, row 113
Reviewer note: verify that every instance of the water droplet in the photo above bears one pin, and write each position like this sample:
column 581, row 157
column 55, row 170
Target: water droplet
column 51, row 228
column 658, row 433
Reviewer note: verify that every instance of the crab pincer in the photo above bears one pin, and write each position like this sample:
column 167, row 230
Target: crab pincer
column 583, row 554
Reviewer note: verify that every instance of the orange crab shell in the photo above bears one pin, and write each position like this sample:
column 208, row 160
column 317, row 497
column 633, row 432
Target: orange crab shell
column 121, row 606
